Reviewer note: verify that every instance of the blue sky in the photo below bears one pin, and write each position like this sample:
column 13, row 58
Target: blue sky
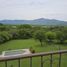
column 32, row 9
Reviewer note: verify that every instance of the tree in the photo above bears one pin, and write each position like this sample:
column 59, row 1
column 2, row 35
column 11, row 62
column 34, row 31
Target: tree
column 2, row 28
column 25, row 34
column 40, row 36
column 1, row 39
column 15, row 35
column 24, row 26
column 60, row 37
column 50, row 36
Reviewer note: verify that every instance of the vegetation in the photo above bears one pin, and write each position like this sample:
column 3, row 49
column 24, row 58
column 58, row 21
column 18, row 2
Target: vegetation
column 33, row 37
column 40, row 35
column 49, row 34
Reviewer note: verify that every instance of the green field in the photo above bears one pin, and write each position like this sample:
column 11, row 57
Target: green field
column 20, row 44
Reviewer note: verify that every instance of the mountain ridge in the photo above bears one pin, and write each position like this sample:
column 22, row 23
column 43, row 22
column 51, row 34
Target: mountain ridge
column 39, row 21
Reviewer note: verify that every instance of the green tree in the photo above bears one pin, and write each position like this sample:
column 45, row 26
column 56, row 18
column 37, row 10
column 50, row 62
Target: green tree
column 1, row 39
column 25, row 34
column 60, row 37
column 50, row 36
column 24, row 26
column 40, row 36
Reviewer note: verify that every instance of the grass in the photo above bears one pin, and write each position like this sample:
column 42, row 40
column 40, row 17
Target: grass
column 20, row 44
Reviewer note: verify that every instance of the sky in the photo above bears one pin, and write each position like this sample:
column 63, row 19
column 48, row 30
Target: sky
column 33, row 9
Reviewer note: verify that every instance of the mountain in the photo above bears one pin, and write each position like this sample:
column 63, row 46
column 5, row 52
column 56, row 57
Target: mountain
column 40, row 21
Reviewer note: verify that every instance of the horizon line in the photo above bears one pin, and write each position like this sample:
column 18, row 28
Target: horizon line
column 35, row 19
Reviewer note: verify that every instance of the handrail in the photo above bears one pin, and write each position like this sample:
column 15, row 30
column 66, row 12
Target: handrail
column 6, row 58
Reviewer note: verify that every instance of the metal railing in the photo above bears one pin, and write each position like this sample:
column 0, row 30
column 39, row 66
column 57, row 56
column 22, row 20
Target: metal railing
column 42, row 54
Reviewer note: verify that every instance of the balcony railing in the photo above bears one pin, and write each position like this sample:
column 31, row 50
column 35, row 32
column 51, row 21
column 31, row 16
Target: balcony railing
column 30, row 56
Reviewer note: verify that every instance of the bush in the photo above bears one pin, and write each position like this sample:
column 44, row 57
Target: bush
column 5, row 36
column 25, row 34
column 65, row 42
column 1, row 39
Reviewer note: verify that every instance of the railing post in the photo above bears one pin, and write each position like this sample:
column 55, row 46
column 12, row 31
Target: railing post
column 18, row 62
column 30, row 61
column 51, row 60
column 41, row 61
column 60, row 60
column 5, row 63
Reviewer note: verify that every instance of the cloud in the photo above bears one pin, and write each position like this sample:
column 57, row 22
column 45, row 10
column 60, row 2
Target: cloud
column 33, row 8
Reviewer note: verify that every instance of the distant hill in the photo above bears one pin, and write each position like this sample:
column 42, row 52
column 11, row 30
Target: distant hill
column 40, row 21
